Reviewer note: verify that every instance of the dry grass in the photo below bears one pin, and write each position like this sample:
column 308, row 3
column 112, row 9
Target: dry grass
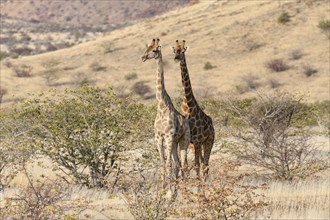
column 305, row 199
column 302, row 199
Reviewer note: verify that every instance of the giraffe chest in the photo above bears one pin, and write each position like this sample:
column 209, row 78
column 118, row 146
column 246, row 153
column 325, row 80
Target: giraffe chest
column 169, row 127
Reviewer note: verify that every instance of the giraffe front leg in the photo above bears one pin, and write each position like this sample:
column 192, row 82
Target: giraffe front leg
column 197, row 160
column 160, row 147
column 168, row 144
column 184, row 144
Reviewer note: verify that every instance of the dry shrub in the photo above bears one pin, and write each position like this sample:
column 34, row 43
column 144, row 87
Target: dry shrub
column 146, row 197
column 107, row 47
column 249, row 82
column 141, row 88
column 224, row 196
column 23, row 70
column 131, row 76
column 8, row 64
column 51, row 70
column 269, row 140
column 22, row 51
column 95, row 66
column 277, row 65
column 296, row 54
column 309, row 70
column 81, row 79
column 3, row 91
column 274, row 83
column 45, row 199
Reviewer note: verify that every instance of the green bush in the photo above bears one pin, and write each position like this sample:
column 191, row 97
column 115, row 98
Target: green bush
column 283, row 18
column 324, row 25
column 14, row 152
column 131, row 76
column 85, row 132
column 208, row 66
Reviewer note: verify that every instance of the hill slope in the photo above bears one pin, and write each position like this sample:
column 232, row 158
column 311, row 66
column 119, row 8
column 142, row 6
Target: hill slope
column 85, row 11
column 237, row 38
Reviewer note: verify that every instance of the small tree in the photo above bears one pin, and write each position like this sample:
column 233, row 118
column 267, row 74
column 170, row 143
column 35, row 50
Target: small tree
column 85, row 132
column 51, row 70
column 269, row 139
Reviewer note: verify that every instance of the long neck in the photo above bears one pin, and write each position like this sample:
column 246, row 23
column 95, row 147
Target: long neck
column 161, row 94
column 188, row 102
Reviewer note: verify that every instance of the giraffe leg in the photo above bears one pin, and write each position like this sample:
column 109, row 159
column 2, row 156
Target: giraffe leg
column 168, row 154
column 207, row 148
column 159, row 141
column 197, row 160
column 176, row 159
column 184, row 144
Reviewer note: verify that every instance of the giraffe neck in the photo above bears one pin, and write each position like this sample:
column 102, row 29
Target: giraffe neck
column 188, row 102
column 161, row 94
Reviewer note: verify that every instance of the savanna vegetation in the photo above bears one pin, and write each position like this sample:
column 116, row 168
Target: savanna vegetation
column 90, row 138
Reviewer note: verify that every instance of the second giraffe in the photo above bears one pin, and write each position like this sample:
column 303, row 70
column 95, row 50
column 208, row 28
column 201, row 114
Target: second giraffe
column 201, row 125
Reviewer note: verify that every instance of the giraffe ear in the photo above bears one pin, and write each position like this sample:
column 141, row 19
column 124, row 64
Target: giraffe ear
column 186, row 48
column 147, row 46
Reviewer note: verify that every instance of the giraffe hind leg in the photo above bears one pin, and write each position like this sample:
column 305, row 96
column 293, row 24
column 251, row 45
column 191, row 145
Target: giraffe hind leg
column 183, row 145
column 197, row 149
column 207, row 148
column 176, row 159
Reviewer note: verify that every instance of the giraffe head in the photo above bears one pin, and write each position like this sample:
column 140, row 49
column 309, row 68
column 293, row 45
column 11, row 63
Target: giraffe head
column 152, row 51
column 179, row 50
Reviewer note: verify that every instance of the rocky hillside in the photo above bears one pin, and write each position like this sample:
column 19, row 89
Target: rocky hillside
column 237, row 47
column 85, row 11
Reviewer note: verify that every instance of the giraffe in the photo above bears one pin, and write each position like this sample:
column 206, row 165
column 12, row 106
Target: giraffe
column 201, row 125
column 171, row 128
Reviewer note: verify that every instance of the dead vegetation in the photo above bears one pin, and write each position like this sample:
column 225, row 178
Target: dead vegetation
column 113, row 157
column 23, row 70
column 277, row 65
